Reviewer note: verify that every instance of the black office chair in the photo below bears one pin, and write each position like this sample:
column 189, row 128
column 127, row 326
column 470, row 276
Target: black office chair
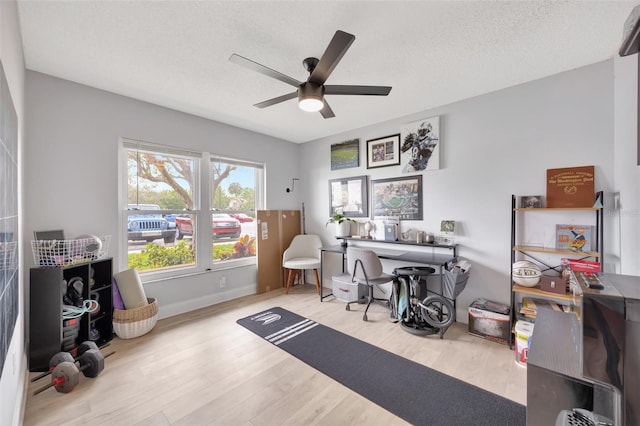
column 366, row 269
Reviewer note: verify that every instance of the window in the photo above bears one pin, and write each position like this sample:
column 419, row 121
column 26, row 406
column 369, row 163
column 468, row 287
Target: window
column 235, row 195
column 164, row 187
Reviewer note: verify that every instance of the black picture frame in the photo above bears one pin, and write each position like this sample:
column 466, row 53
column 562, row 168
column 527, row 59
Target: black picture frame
column 348, row 195
column 383, row 152
column 400, row 197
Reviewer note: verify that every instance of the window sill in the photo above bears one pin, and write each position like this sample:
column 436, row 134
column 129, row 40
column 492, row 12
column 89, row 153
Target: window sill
column 162, row 276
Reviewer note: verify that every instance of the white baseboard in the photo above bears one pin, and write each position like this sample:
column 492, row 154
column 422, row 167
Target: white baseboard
column 168, row 310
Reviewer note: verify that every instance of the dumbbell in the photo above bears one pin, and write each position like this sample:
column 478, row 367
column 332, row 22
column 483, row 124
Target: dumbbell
column 66, row 375
column 67, row 357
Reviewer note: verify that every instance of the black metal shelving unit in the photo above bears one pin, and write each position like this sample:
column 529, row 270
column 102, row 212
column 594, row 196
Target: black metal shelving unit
column 534, row 253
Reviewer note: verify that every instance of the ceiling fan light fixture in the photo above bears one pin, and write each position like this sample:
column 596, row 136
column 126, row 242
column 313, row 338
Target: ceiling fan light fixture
column 310, row 105
column 311, row 93
column 310, row 97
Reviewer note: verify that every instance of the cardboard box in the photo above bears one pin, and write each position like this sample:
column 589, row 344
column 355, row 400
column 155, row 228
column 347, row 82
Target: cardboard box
column 490, row 320
column 346, row 290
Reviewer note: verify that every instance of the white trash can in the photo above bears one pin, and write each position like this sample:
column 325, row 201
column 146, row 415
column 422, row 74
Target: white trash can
column 524, row 331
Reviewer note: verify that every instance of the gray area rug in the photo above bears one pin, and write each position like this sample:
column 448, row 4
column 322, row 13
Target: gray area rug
column 418, row 394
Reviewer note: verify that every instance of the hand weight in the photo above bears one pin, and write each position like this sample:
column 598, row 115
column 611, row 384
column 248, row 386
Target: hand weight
column 67, row 357
column 85, row 346
column 91, row 363
column 65, row 376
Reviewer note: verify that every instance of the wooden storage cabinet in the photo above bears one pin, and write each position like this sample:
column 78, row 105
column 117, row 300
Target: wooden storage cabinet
column 47, row 287
column 535, row 253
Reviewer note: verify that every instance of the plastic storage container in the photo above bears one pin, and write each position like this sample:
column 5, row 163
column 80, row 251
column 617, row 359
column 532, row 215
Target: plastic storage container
column 523, row 331
column 347, row 291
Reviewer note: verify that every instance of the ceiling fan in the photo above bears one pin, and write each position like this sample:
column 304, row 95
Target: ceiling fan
column 311, row 93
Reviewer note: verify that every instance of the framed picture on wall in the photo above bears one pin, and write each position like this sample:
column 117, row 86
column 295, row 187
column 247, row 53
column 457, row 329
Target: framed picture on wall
column 345, row 155
column 421, row 145
column 383, row 152
column 349, row 196
column 401, row 197
column 448, row 226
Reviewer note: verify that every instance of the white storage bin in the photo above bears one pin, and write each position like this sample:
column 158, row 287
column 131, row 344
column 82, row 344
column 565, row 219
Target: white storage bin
column 347, row 291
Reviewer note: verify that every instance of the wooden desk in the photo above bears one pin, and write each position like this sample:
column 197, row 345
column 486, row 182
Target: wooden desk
column 438, row 260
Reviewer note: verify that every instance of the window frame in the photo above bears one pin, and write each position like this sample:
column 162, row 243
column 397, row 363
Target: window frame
column 202, row 207
column 259, row 194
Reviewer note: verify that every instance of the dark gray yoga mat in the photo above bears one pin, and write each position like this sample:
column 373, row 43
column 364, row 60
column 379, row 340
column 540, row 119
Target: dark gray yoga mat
column 418, row 394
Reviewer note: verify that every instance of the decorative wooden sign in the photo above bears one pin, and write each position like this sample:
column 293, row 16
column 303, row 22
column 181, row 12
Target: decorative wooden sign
column 571, row 187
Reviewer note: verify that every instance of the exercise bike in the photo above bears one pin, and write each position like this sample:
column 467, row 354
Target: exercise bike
column 418, row 312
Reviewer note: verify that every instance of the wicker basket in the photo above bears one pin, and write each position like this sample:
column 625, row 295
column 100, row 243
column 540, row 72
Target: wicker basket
column 70, row 252
column 131, row 323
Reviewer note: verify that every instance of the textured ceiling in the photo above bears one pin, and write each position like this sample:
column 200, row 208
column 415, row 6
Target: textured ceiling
column 175, row 53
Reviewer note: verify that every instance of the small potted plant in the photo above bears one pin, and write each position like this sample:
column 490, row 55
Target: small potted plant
column 343, row 223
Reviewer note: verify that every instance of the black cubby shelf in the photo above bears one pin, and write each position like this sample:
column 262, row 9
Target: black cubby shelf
column 46, row 291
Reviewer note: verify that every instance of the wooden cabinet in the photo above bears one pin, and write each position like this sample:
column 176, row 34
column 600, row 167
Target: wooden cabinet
column 533, row 238
column 50, row 288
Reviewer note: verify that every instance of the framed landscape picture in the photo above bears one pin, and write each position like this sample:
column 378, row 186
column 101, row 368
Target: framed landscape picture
column 349, row 196
column 345, row 155
column 448, row 226
column 421, row 145
column 401, row 197
column 383, row 152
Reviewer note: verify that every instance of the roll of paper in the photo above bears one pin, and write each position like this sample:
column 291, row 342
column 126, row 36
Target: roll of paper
column 131, row 289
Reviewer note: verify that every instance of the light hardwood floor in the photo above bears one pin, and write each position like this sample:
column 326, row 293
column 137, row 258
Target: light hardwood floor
column 202, row 368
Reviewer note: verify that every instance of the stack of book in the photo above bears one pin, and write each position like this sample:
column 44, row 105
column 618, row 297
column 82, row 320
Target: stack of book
column 530, row 306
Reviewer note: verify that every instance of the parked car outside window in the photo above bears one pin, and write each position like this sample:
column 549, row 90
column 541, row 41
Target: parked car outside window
column 222, row 226
column 242, row 217
column 148, row 226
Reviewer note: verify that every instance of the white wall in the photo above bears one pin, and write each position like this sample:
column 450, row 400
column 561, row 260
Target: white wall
column 493, row 146
column 71, row 172
column 626, row 229
column 13, row 374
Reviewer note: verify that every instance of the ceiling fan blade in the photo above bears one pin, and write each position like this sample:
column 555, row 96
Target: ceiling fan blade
column 335, row 51
column 357, row 90
column 252, row 65
column 277, row 100
column 326, row 110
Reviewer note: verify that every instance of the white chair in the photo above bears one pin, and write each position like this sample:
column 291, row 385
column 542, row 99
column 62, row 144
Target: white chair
column 303, row 253
column 366, row 269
